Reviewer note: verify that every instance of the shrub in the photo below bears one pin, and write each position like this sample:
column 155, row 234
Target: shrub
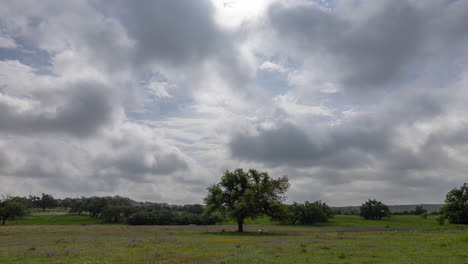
column 309, row 213
column 455, row 208
column 374, row 210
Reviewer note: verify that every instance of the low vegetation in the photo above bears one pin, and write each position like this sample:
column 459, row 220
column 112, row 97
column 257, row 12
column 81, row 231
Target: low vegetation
column 456, row 205
column 374, row 210
column 92, row 230
column 344, row 239
column 240, row 195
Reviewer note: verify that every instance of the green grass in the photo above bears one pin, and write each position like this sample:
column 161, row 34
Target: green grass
column 348, row 239
column 397, row 221
column 54, row 218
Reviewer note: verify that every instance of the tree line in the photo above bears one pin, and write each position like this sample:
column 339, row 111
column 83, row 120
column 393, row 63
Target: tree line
column 239, row 195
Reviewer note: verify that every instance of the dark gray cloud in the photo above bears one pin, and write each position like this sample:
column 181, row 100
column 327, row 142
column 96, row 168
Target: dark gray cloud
column 81, row 109
column 89, row 114
column 366, row 147
column 289, row 145
column 282, row 145
column 70, row 164
column 382, row 43
column 174, row 32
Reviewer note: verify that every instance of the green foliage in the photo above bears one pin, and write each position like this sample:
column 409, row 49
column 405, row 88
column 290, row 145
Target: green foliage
column 77, row 205
column 162, row 216
column 374, row 210
column 169, row 216
column 44, row 202
column 456, row 205
column 424, row 215
column 22, row 200
column 309, row 213
column 241, row 195
column 112, row 214
column 441, row 219
column 419, row 210
column 95, row 205
column 10, row 208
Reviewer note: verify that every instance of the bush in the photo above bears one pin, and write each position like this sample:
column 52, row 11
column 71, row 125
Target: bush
column 309, row 213
column 374, row 210
column 9, row 209
column 142, row 218
column 112, row 214
column 455, row 208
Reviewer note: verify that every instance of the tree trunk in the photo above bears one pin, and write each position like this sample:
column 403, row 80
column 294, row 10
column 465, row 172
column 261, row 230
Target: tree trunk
column 240, row 225
column 3, row 220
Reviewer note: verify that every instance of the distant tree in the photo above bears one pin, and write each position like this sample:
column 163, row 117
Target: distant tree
column 424, row 215
column 78, row 205
column 193, row 208
column 112, row 214
column 10, row 209
column 45, row 201
column 374, row 210
column 66, row 203
column 309, row 213
column 142, row 217
column 95, row 205
column 455, row 208
column 127, row 211
column 34, row 201
column 419, row 210
column 22, row 200
column 242, row 195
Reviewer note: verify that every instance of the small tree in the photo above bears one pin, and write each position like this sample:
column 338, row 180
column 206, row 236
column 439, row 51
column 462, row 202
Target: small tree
column 455, row 208
column 309, row 213
column 46, row 201
column 419, row 210
column 95, row 205
column 374, row 210
column 10, row 209
column 78, row 205
column 242, row 195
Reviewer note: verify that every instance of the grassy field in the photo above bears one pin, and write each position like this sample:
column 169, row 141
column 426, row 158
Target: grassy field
column 348, row 239
column 55, row 218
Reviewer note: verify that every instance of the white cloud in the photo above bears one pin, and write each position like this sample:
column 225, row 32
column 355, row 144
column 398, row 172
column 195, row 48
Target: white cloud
column 156, row 102
column 7, row 42
column 270, row 66
column 290, row 104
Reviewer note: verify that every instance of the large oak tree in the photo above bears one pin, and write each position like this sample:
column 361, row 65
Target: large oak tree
column 242, row 195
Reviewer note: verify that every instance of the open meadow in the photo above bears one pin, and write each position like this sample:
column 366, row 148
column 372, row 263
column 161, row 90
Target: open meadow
column 62, row 238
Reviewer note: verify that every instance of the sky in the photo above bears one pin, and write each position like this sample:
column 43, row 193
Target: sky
column 155, row 100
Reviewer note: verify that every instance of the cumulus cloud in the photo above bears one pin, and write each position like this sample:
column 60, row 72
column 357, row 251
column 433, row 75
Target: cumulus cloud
column 379, row 44
column 76, row 108
column 155, row 99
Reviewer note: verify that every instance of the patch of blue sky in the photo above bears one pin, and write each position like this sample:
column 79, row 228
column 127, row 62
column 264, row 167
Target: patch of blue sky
column 326, row 3
column 29, row 55
column 158, row 107
column 275, row 82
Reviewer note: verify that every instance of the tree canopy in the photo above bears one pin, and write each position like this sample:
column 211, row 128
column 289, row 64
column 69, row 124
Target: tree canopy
column 45, row 201
column 247, row 194
column 374, row 210
column 309, row 213
column 10, row 209
column 455, row 208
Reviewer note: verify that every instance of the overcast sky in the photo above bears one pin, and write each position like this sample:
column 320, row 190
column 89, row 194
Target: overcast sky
column 155, row 99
